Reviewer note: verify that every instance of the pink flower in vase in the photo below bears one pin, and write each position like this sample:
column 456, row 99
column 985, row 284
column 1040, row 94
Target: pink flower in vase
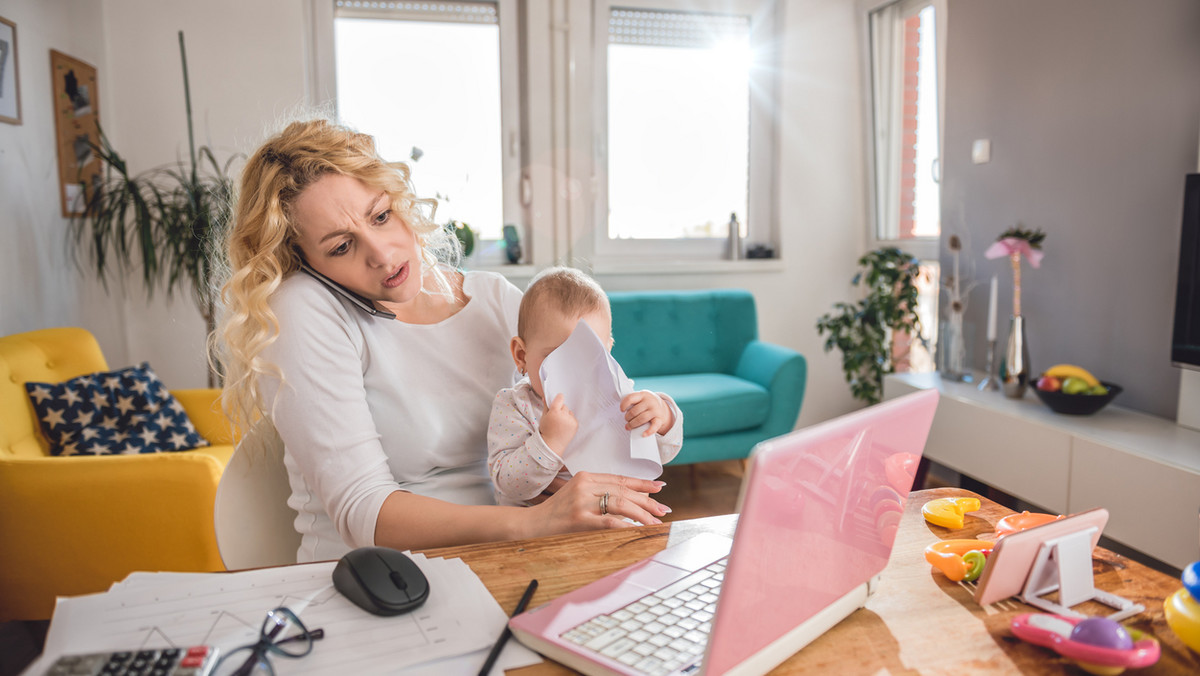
column 1014, row 243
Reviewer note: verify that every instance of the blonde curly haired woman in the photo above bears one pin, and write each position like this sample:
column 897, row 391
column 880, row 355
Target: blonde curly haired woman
column 348, row 327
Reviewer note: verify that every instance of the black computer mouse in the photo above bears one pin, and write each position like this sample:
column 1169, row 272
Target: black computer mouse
column 381, row 580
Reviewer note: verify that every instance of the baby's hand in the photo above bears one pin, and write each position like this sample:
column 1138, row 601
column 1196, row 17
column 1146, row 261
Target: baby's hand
column 558, row 426
column 647, row 408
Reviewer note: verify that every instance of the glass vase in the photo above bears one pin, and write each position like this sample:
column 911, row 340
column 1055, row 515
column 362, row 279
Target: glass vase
column 953, row 355
column 1014, row 367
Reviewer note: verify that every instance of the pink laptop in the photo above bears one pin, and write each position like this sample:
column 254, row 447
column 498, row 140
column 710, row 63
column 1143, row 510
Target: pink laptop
column 819, row 509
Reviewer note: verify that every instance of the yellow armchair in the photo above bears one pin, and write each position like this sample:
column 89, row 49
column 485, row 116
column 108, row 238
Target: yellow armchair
column 74, row 525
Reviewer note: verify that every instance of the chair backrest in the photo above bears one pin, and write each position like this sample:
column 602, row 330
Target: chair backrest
column 672, row 332
column 255, row 527
column 44, row 356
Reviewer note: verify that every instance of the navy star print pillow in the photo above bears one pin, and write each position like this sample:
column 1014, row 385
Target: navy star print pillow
column 112, row 413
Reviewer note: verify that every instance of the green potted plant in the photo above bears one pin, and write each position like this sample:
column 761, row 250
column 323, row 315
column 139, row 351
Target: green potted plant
column 168, row 221
column 863, row 331
column 465, row 235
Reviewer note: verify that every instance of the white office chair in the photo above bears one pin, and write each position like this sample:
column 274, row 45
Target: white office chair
column 253, row 523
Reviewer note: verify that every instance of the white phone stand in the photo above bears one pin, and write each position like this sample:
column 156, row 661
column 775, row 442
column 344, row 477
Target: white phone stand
column 1064, row 564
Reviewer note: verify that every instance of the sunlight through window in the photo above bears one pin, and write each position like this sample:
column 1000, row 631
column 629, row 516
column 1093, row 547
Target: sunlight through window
column 678, row 124
column 433, row 86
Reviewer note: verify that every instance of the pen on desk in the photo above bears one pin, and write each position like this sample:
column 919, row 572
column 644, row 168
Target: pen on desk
column 504, row 636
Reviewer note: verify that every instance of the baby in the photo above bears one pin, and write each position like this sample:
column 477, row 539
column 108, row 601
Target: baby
column 526, row 436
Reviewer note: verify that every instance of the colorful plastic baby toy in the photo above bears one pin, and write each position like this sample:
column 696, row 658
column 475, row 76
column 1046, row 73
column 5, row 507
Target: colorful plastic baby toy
column 1097, row 644
column 1183, row 610
column 959, row 559
column 1015, row 523
column 948, row 512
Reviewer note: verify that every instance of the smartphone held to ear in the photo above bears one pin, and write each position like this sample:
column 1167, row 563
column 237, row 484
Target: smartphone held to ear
column 366, row 305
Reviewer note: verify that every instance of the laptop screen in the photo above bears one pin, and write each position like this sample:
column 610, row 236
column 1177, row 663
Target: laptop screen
column 819, row 513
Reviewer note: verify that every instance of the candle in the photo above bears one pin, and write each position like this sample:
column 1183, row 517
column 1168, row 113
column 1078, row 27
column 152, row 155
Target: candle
column 991, row 327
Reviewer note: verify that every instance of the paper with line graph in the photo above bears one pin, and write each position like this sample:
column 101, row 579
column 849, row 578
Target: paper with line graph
column 226, row 610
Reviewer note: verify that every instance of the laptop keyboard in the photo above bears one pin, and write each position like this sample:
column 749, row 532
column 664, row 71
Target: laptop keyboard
column 660, row 632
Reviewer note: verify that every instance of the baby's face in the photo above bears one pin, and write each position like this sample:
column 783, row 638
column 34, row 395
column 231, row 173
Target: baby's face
column 553, row 330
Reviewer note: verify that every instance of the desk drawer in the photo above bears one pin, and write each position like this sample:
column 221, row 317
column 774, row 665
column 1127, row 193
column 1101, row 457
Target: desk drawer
column 1152, row 507
column 1024, row 459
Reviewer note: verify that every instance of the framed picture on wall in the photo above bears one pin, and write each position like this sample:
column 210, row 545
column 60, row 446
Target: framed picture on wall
column 10, row 84
column 76, row 128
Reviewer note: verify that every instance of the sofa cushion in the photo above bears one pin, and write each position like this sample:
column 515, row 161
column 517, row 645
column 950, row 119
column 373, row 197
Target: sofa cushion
column 112, row 413
column 714, row 402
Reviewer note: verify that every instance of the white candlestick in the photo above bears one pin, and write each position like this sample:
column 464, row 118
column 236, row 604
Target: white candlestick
column 957, row 297
column 991, row 329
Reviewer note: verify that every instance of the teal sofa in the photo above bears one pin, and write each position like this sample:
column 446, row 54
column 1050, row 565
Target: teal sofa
column 702, row 348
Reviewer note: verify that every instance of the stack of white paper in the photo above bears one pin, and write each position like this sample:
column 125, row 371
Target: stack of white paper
column 451, row 633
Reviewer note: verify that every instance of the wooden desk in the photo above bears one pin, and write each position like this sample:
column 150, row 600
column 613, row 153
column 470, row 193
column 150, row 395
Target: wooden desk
column 917, row 623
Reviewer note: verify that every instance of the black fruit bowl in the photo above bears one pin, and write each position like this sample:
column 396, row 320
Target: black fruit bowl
column 1078, row 404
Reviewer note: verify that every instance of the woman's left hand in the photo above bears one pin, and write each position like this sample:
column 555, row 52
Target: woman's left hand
column 555, row 484
column 591, row 501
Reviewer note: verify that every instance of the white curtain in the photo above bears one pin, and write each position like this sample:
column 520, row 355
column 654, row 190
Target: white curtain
column 887, row 69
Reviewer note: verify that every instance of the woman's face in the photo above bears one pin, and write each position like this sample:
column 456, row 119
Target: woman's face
column 348, row 232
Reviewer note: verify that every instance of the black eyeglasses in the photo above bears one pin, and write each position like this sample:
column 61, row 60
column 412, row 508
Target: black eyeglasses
column 282, row 634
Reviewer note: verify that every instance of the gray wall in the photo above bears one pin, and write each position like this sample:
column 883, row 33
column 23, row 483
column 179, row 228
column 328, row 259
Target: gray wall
column 1093, row 111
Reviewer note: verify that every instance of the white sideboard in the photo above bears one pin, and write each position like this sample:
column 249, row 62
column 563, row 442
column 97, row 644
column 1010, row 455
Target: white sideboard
column 1144, row 469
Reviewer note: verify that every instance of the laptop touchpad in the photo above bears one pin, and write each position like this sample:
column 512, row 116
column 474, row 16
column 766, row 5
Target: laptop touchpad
column 696, row 553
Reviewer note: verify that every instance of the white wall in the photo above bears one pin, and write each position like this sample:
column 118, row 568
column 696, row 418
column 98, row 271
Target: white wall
column 39, row 287
column 246, row 64
column 248, row 68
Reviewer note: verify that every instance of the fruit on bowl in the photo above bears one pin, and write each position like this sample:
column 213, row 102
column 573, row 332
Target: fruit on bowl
column 1073, row 390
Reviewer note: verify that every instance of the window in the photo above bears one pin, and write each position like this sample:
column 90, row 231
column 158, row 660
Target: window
column 681, row 101
column 607, row 131
column 904, row 41
column 906, row 123
column 435, row 84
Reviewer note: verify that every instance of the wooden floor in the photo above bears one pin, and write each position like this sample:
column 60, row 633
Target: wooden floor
column 714, row 491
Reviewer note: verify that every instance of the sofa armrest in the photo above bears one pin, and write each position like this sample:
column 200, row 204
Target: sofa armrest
column 203, row 407
column 783, row 372
column 74, row 525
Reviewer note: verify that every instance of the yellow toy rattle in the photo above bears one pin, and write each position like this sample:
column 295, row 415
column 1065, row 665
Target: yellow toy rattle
column 948, row 512
column 959, row 559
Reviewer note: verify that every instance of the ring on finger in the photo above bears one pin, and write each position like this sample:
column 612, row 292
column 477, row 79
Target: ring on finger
column 604, row 504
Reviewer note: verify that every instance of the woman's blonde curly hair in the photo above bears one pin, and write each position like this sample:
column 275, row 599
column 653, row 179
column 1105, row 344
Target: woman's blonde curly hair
column 262, row 246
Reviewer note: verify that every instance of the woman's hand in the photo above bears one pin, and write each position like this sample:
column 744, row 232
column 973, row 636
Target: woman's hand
column 581, row 504
column 647, row 408
column 555, row 484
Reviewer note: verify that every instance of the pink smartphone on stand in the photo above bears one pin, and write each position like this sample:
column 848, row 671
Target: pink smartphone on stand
column 1052, row 557
column 1013, row 556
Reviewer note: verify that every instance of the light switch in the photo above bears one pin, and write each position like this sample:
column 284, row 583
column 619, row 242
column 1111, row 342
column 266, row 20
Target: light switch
column 981, row 151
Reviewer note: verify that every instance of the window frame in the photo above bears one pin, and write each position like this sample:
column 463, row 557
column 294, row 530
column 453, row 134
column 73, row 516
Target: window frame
column 761, row 221
column 923, row 248
column 554, row 190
